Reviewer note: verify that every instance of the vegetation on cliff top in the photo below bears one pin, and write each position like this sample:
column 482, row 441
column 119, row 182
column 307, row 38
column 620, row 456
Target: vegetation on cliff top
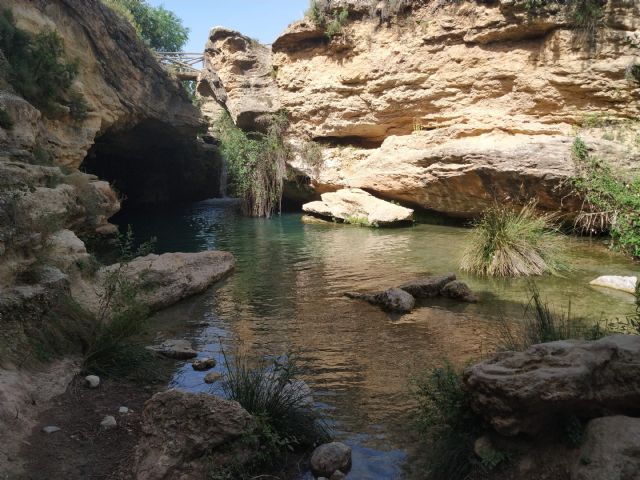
column 160, row 28
column 256, row 164
column 508, row 242
column 39, row 70
column 611, row 200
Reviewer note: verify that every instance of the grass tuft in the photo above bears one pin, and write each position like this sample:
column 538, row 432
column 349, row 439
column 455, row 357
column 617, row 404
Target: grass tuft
column 512, row 243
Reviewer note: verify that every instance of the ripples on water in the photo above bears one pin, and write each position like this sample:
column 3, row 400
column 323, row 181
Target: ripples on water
column 287, row 295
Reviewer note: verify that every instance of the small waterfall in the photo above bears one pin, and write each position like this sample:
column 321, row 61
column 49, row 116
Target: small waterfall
column 223, row 178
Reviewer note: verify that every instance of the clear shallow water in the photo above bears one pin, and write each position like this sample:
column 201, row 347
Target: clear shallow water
column 287, row 295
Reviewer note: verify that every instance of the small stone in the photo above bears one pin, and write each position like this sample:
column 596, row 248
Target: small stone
column 51, row 429
column 203, row 364
column 108, row 422
column 337, row 475
column 328, row 458
column 123, row 410
column 92, row 381
column 482, row 446
column 212, row 377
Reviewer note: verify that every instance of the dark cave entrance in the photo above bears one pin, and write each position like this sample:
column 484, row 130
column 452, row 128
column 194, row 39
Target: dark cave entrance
column 153, row 163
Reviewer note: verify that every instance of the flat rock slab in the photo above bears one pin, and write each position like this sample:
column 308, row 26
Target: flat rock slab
column 353, row 205
column 526, row 392
column 625, row 284
column 166, row 279
column 610, row 450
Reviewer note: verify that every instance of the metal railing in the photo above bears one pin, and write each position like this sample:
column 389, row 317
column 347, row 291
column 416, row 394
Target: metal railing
column 185, row 65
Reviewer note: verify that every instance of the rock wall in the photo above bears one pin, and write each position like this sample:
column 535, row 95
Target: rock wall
column 446, row 106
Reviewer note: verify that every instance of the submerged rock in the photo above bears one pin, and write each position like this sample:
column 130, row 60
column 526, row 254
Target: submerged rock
column 330, row 458
column 212, row 377
column 526, row 392
column 165, row 279
column 352, row 205
column 458, row 290
column 392, row 300
column 428, row 287
column 177, row 349
column 610, row 450
column 626, row 284
column 180, row 431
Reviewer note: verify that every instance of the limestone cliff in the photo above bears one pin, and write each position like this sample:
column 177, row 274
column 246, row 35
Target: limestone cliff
column 448, row 106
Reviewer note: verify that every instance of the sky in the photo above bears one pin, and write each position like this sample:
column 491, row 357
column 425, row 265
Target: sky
column 260, row 19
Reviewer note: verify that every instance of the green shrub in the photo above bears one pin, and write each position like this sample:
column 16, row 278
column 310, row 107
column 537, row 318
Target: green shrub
column 317, row 12
column 38, row 69
column 612, row 203
column 256, row 164
column 112, row 350
column 337, row 22
column 270, row 391
column 448, row 427
column 78, row 106
column 160, row 28
column 511, row 243
column 5, row 120
column 359, row 221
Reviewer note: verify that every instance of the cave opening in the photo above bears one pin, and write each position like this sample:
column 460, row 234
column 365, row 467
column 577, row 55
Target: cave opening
column 153, row 163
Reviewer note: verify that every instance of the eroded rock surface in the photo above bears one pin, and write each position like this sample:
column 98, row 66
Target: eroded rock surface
column 354, row 205
column 180, row 429
column 165, row 279
column 452, row 105
column 525, row 392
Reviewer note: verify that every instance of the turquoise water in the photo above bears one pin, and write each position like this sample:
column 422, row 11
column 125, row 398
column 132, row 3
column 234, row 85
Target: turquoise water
column 287, row 295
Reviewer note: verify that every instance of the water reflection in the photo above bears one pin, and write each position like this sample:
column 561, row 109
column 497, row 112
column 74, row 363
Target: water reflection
column 287, row 295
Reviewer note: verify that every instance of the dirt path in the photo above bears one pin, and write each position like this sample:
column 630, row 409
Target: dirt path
column 83, row 450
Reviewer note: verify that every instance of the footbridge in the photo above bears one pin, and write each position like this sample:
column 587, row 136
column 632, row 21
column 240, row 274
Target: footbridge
column 185, row 65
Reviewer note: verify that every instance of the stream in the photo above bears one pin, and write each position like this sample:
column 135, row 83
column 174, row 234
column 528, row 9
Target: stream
column 287, row 296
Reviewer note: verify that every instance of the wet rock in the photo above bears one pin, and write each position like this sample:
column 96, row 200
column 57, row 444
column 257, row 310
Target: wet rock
column 92, row 381
column 50, row 429
column 352, row 205
column 526, row 392
column 108, row 422
column 610, row 450
column 178, row 428
column 212, row 377
column 625, row 284
column 392, row 300
column 428, row 287
column 177, row 349
column 329, row 458
column 458, row 291
column 203, row 364
column 165, row 279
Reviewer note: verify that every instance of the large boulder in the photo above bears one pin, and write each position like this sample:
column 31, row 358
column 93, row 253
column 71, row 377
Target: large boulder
column 610, row 450
column 168, row 278
column 352, row 205
column 525, row 392
column 180, row 430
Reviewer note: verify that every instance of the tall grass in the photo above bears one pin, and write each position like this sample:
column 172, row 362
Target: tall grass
column 542, row 324
column 270, row 390
column 512, row 243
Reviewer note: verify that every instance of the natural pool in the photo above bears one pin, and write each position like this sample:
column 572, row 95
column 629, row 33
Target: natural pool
column 287, row 295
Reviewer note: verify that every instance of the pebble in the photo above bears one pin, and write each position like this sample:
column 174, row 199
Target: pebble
column 51, row 429
column 92, row 381
column 203, row 364
column 123, row 410
column 108, row 422
column 212, row 377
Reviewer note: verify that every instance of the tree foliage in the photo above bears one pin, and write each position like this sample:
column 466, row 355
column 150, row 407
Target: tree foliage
column 160, row 28
column 38, row 68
